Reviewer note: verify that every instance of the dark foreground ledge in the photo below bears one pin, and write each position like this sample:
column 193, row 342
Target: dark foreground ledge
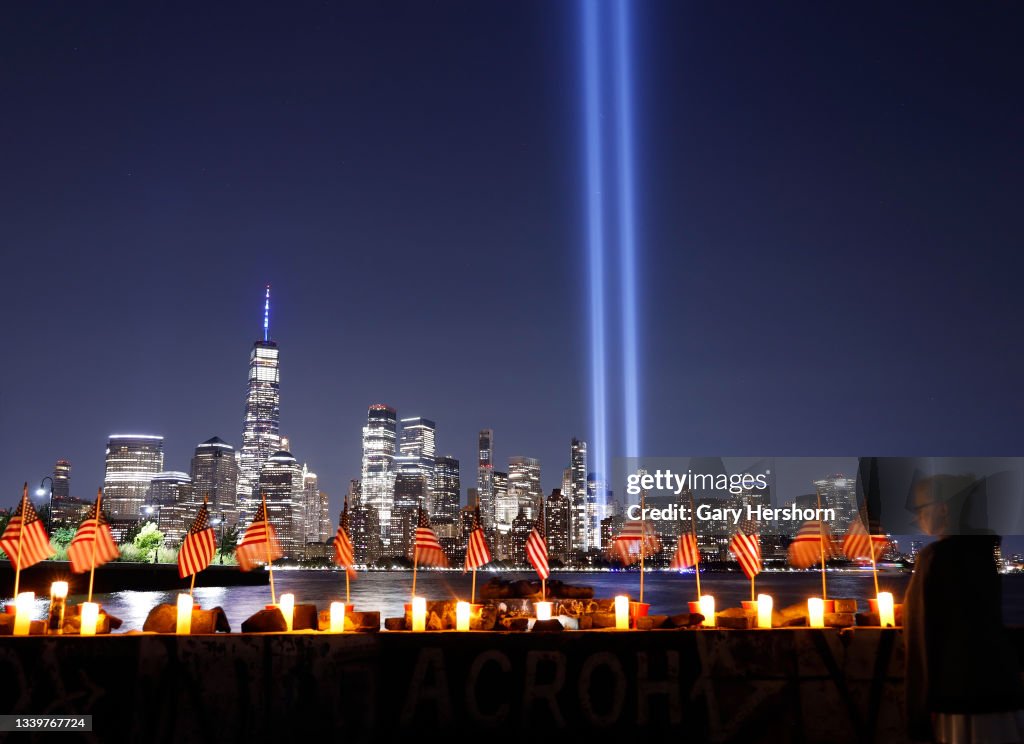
column 709, row 685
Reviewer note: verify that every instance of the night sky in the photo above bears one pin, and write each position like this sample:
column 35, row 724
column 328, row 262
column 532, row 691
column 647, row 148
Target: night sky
column 829, row 228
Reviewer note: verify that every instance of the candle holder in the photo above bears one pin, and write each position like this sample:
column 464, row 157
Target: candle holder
column 707, row 609
column 764, row 610
column 89, row 615
column 58, row 602
column 419, row 614
column 622, row 612
column 338, row 617
column 886, row 610
column 184, row 619
column 543, row 610
column 462, row 614
column 816, row 612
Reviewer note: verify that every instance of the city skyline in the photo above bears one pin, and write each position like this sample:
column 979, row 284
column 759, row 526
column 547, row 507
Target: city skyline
column 822, row 249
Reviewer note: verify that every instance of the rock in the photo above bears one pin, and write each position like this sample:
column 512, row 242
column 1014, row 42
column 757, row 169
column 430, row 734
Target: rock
column 735, row 618
column 265, row 621
column 525, row 589
column 686, row 620
column 839, row 619
column 363, row 622
column 586, row 622
column 394, row 623
column 650, row 622
column 164, row 619
column 846, row 606
column 434, row 622
column 304, row 617
column 547, row 626
column 603, row 619
column 515, row 623
column 486, row 620
column 73, row 621
column 161, row 619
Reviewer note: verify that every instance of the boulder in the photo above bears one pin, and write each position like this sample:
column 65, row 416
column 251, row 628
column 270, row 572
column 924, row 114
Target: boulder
column 304, row 617
column 486, row 620
column 164, row 619
column 839, row 619
column 265, row 621
column 686, row 620
column 603, row 619
column 651, row 622
column 735, row 618
column 586, row 622
column 394, row 623
column 846, row 606
column 515, row 623
column 73, row 621
column 547, row 626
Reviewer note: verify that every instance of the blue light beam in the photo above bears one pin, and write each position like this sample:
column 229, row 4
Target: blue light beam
column 627, row 225
column 594, row 177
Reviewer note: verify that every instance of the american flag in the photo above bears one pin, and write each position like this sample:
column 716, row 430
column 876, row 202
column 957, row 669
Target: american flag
column 809, row 543
column 343, row 554
column 687, row 554
column 537, row 548
column 477, row 552
column 855, row 543
column 636, row 537
column 199, row 545
column 26, row 530
column 426, row 549
column 92, row 540
column 746, row 546
column 259, row 544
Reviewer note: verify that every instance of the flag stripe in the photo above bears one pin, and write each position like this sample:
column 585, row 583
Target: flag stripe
column 687, row 554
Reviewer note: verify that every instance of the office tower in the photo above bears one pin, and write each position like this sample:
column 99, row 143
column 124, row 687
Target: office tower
column 840, row 493
column 62, row 479
column 378, row 470
column 522, row 525
column 280, row 482
column 169, row 505
column 416, row 449
column 214, row 475
column 485, row 479
column 260, row 432
column 505, row 511
column 597, row 496
column 524, row 484
column 567, row 492
column 364, row 526
column 410, row 496
column 445, row 495
column 557, row 525
column 316, row 512
column 132, row 461
column 582, row 527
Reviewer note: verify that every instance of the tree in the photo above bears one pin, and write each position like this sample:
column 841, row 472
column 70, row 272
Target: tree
column 229, row 540
column 148, row 538
column 62, row 537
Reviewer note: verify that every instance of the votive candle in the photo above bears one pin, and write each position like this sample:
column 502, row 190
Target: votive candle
column 23, row 612
column 90, row 614
column 287, row 607
column 622, row 612
column 58, row 601
column 816, row 612
column 462, row 616
column 419, row 614
column 543, row 610
column 337, row 617
column 707, row 609
column 764, row 610
column 886, row 610
column 184, row 626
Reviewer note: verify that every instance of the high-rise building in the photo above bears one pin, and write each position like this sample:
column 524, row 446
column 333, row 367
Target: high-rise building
column 260, row 432
column 417, row 450
column 582, row 527
column 280, row 482
column 169, row 505
column 524, row 485
column 521, row 528
column 214, row 475
column 316, row 511
column 505, row 511
column 557, row 525
column 485, row 479
column 410, row 496
column 838, row 492
column 378, row 471
column 132, row 461
column 445, row 495
column 598, row 496
column 364, row 526
column 62, row 479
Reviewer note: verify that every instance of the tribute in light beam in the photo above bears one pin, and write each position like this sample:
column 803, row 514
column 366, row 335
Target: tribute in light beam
column 594, row 175
column 627, row 225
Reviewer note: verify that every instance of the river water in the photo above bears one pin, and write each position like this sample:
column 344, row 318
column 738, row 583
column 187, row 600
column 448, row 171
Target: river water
column 387, row 591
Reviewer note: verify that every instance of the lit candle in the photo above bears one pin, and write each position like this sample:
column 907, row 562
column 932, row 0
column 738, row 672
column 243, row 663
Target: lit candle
column 707, row 609
column 764, row 610
column 337, row 617
column 58, row 600
column 462, row 616
column 543, row 610
column 90, row 614
column 622, row 613
column 184, row 614
column 816, row 612
column 23, row 612
column 287, row 607
column 419, row 614
column 886, row 610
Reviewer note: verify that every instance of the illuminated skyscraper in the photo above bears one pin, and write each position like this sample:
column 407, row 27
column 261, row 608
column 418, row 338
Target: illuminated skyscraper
column 557, row 524
column 410, row 496
column 445, row 495
column 416, row 451
column 838, row 492
column 524, row 485
column 582, row 525
column 132, row 461
column 485, row 479
column 260, row 432
column 62, row 479
column 169, row 505
column 316, row 510
column 378, row 472
column 215, row 475
column 281, row 483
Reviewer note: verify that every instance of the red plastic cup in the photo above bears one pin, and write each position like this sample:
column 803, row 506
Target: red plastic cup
column 749, row 605
column 695, row 608
column 830, row 606
column 873, row 605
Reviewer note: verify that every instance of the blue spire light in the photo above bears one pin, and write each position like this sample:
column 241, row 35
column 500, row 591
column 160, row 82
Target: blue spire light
column 266, row 316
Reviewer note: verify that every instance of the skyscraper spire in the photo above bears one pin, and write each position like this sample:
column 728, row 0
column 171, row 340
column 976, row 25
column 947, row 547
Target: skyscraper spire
column 266, row 316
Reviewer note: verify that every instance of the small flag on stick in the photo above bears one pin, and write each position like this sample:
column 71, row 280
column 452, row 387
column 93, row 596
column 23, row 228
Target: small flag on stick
column 25, row 540
column 687, row 554
column 637, row 537
column 343, row 554
column 812, row 541
column 93, row 544
column 746, row 546
column 427, row 550
column 477, row 552
column 259, row 544
column 537, row 549
column 199, row 545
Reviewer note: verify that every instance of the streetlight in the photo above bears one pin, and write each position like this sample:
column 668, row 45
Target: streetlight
column 49, row 509
column 149, row 509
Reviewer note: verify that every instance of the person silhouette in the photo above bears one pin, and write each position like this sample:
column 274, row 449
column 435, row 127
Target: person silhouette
column 962, row 678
